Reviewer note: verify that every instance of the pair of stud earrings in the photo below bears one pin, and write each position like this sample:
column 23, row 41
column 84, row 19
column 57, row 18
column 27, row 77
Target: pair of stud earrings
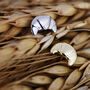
column 43, row 22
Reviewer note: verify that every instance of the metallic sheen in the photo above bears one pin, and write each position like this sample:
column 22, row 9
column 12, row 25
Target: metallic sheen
column 43, row 22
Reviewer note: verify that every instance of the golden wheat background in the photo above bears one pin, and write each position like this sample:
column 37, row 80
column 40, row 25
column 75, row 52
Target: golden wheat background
column 26, row 63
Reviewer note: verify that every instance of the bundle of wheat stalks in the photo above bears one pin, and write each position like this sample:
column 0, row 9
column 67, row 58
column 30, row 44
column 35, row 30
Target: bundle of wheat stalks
column 26, row 61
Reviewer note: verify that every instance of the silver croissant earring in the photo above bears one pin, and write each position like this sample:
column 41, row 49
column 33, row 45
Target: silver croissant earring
column 43, row 22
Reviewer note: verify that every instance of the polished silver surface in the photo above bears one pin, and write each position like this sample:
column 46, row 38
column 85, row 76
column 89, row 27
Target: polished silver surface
column 43, row 22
